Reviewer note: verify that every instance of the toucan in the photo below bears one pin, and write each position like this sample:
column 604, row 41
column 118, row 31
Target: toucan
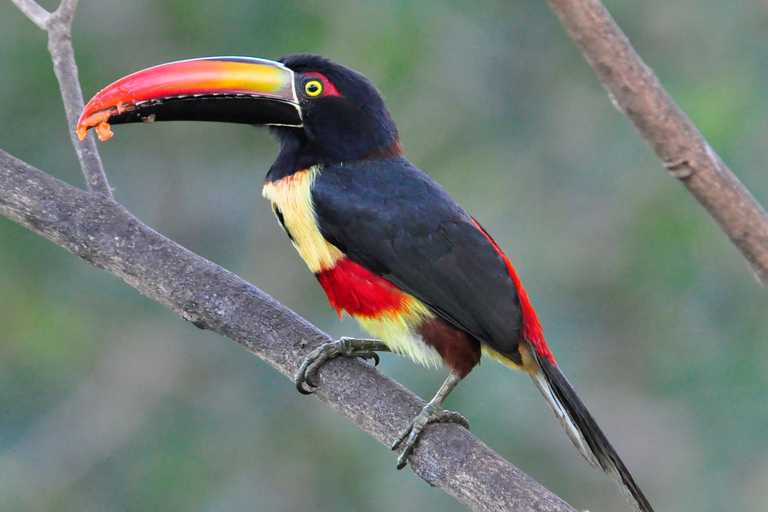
column 387, row 244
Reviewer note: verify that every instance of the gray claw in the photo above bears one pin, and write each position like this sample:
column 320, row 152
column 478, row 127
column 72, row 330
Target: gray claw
column 430, row 414
column 306, row 376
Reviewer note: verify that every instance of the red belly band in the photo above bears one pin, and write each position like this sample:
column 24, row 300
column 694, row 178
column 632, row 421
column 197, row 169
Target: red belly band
column 359, row 292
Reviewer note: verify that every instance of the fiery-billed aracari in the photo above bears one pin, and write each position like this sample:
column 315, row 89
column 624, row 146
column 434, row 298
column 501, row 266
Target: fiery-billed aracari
column 388, row 245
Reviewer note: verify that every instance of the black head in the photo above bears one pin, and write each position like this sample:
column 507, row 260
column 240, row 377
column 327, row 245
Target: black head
column 344, row 118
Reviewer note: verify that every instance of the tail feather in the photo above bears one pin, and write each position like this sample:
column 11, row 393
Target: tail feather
column 583, row 430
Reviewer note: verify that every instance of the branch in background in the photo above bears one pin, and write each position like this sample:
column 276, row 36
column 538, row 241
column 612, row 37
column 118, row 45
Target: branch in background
column 58, row 25
column 105, row 234
column 638, row 94
column 34, row 12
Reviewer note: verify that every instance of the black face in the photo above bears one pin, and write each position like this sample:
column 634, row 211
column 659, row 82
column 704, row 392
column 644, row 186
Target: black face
column 344, row 117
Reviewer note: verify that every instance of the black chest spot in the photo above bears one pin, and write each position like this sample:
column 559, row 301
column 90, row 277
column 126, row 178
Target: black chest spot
column 281, row 220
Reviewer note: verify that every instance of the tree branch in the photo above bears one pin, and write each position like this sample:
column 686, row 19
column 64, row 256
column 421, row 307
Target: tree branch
column 638, row 94
column 58, row 25
column 105, row 234
column 34, row 12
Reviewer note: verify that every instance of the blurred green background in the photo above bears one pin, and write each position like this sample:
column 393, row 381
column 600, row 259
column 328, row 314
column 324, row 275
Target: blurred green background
column 109, row 402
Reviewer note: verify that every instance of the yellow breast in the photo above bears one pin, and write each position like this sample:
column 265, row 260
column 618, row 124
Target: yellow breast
column 291, row 199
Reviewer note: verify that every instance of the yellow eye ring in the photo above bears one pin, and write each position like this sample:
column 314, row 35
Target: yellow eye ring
column 313, row 88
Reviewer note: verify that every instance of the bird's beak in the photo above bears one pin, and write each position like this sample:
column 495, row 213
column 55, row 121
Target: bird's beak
column 227, row 89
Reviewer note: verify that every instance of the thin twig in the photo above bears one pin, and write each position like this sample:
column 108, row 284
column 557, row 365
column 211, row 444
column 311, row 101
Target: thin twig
column 105, row 234
column 34, row 12
column 639, row 95
column 68, row 6
column 59, row 27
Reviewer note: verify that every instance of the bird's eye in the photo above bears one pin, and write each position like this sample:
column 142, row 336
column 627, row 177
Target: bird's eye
column 313, row 88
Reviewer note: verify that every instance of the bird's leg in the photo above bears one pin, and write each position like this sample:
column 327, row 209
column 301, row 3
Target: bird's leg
column 344, row 347
column 431, row 413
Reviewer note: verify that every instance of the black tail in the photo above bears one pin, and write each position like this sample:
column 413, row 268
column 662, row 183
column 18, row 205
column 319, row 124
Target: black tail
column 583, row 430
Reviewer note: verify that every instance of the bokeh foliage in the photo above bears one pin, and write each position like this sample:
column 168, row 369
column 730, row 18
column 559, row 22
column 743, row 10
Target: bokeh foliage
column 110, row 402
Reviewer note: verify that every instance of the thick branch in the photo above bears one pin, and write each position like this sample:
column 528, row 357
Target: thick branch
column 105, row 234
column 638, row 94
column 59, row 28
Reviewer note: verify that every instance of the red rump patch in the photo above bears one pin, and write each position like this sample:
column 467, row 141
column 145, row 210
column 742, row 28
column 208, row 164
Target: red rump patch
column 533, row 333
column 358, row 291
column 328, row 88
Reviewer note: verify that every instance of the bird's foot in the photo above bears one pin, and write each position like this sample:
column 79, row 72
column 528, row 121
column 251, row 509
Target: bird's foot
column 306, row 376
column 429, row 414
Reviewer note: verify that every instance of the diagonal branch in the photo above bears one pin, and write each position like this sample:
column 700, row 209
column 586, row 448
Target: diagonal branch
column 58, row 25
column 639, row 95
column 105, row 234
column 34, row 12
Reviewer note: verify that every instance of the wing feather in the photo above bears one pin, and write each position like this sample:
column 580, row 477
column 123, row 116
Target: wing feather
column 395, row 221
